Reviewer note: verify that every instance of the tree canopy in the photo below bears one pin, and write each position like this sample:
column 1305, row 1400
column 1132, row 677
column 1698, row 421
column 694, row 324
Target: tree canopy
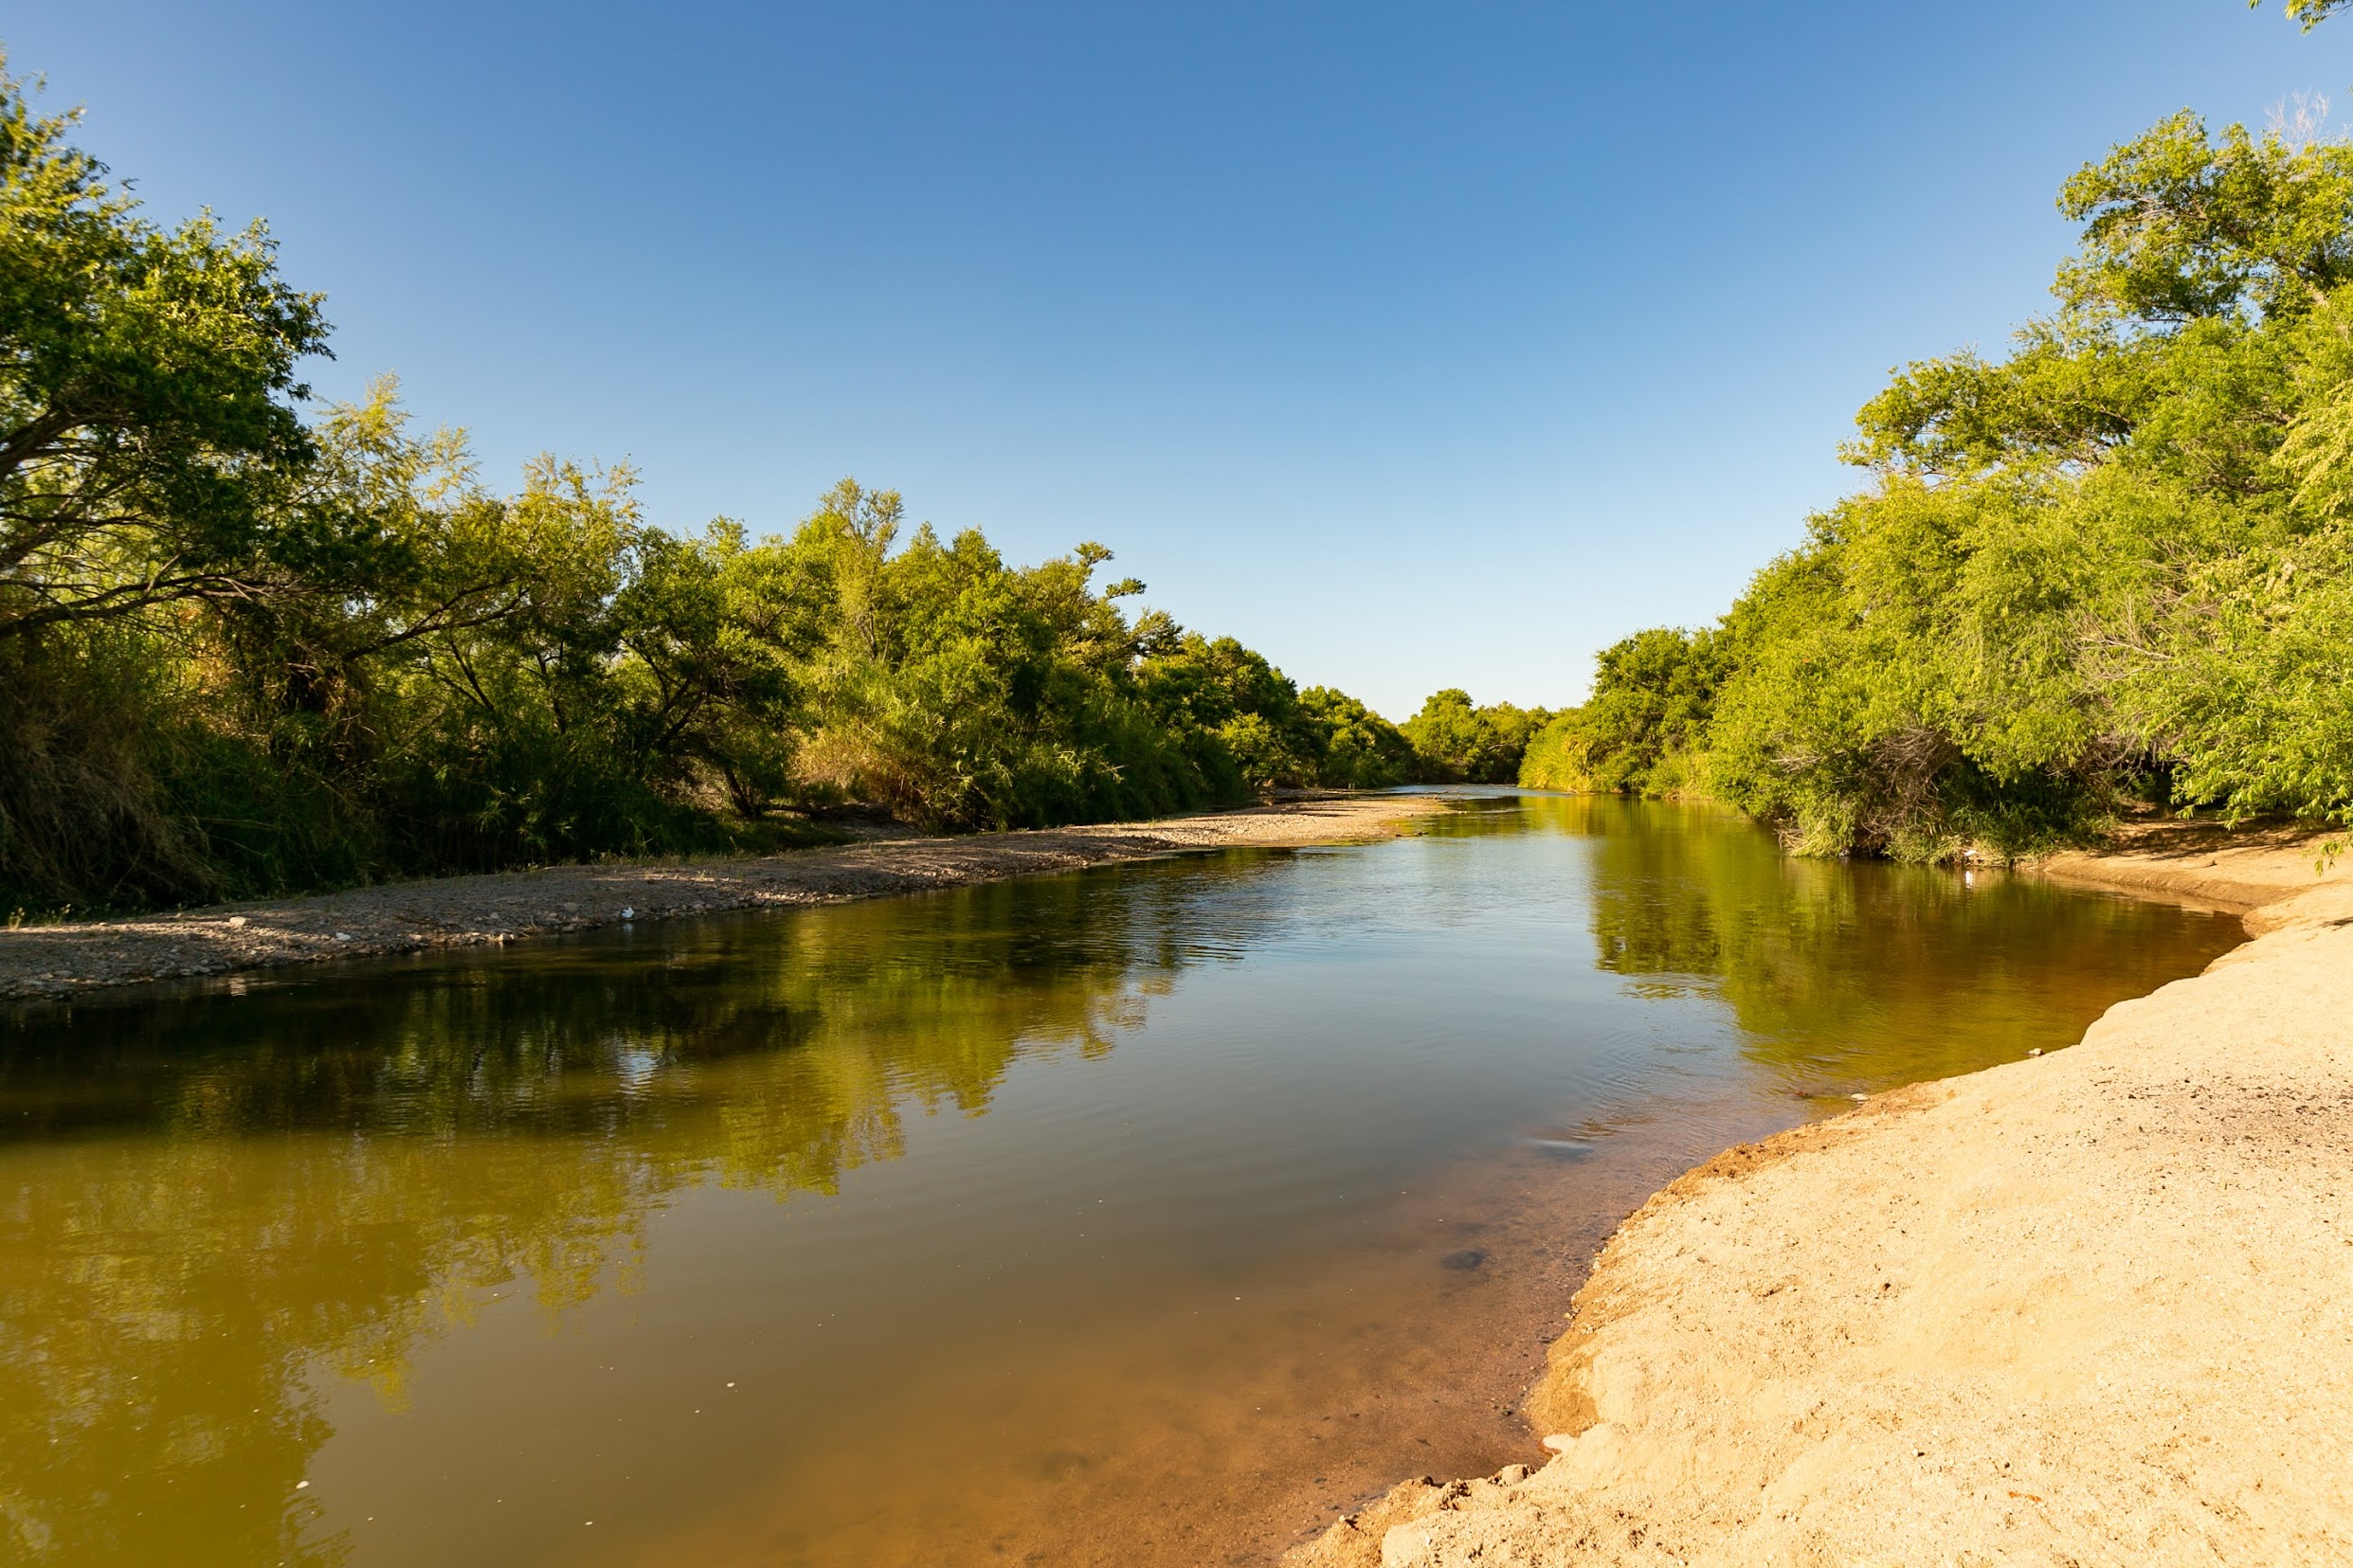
column 250, row 643
column 145, row 377
column 2114, row 565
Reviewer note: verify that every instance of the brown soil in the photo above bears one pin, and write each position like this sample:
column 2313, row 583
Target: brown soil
column 2204, row 864
column 72, row 959
column 2091, row 1308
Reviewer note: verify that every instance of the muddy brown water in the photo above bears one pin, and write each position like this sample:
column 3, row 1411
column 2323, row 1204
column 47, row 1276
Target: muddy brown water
column 1151, row 1215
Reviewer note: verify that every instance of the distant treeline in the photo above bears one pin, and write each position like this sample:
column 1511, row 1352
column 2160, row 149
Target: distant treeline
column 243, row 650
column 2114, row 566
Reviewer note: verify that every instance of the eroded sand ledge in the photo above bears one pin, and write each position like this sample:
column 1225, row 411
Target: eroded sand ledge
column 66, row 960
column 2091, row 1308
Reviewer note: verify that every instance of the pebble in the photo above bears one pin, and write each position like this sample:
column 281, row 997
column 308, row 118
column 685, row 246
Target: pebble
column 1559, row 1442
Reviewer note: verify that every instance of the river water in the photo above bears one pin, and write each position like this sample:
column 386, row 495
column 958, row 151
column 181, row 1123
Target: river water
column 1156, row 1213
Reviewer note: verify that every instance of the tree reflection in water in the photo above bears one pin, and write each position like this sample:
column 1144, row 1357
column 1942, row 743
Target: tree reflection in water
column 207, row 1199
column 1841, row 975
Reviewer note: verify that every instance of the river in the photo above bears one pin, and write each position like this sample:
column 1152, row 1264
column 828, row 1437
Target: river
column 1150, row 1215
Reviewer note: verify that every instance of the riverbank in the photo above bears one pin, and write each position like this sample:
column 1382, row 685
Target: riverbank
column 2205, row 863
column 2094, row 1307
column 74, row 958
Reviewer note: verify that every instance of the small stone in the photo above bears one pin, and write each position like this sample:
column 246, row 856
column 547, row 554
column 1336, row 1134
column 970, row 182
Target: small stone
column 1512, row 1475
column 1559, row 1442
column 236, row 920
column 1858, row 1097
column 2037, row 1052
column 343, row 936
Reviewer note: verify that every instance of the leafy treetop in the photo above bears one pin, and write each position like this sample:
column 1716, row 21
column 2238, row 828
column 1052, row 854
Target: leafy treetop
column 146, row 389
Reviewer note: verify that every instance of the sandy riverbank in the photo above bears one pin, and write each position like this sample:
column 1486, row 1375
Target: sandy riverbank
column 2096, row 1308
column 2203, row 863
column 71, row 958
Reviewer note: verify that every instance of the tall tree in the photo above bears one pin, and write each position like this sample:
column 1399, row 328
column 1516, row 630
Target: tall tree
column 147, row 378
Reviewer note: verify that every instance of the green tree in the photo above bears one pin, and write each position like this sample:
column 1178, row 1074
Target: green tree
column 1355, row 747
column 2110, row 567
column 243, row 650
column 1456, row 741
column 146, row 383
column 2179, row 225
column 1640, row 731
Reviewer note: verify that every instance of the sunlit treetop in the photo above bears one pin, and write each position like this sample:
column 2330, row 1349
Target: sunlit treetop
column 2179, row 225
column 2310, row 13
column 147, row 389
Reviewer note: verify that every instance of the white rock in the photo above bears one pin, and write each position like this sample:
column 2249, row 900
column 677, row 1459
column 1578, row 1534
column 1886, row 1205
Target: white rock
column 1406, row 1546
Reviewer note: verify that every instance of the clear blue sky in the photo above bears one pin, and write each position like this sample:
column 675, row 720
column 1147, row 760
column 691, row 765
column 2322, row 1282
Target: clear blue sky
column 1415, row 344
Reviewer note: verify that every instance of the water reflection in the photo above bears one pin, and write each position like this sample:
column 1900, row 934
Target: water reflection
column 1860, row 975
column 218, row 1210
column 204, row 1199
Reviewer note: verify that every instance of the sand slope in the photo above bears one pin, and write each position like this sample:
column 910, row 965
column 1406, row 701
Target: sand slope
column 2096, row 1308
column 2203, row 862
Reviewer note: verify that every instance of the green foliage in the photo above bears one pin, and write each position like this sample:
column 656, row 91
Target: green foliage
column 961, row 693
column 2310, row 13
column 2111, row 568
column 2179, row 227
column 143, row 419
column 241, row 651
column 1356, row 748
column 1653, row 693
column 1456, row 741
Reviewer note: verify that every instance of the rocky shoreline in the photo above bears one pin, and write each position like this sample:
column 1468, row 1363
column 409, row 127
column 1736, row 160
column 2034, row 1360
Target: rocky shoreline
column 2091, row 1308
column 70, row 959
